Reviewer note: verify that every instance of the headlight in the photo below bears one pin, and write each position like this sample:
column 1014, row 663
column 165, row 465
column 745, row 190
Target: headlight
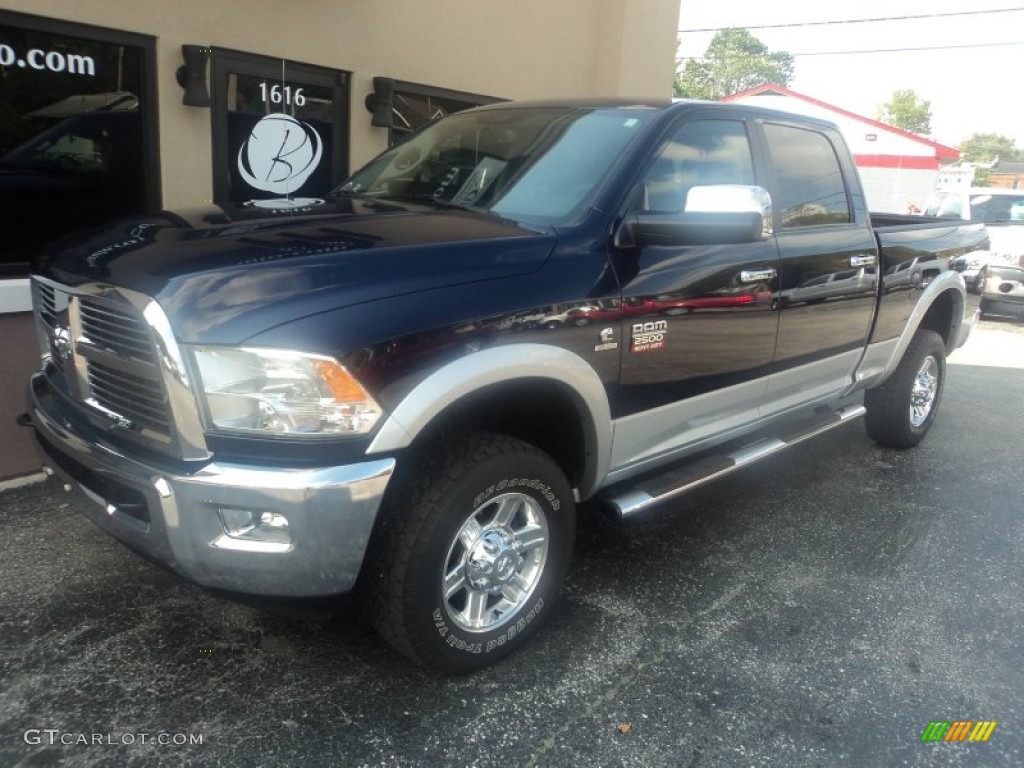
column 281, row 392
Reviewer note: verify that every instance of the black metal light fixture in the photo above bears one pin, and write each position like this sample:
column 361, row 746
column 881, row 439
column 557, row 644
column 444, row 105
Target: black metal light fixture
column 192, row 75
column 381, row 102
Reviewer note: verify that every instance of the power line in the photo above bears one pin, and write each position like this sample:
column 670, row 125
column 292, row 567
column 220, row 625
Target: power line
column 903, row 50
column 854, row 21
column 873, row 50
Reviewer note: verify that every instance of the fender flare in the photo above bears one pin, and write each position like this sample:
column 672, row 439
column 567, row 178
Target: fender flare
column 497, row 365
column 874, row 371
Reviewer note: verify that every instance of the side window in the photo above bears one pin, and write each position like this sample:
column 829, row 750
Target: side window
column 700, row 152
column 934, row 203
column 810, row 190
column 952, row 207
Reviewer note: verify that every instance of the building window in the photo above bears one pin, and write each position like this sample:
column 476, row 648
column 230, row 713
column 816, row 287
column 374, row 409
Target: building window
column 414, row 106
column 280, row 130
column 77, row 131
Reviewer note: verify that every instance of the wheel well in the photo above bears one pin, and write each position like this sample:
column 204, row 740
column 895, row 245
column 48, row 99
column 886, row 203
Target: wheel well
column 939, row 317
column 539, row 411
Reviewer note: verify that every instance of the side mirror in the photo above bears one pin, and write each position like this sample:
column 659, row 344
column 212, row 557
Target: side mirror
column 714, row 214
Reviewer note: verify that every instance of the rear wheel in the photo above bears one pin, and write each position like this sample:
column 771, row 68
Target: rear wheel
column 902, row 410
column 475, row 545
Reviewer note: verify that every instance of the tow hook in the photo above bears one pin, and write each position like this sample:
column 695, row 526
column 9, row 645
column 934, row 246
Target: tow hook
column 24, row 420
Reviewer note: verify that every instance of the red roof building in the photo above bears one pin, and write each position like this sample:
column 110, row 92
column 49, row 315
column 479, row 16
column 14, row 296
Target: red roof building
column 898, row 168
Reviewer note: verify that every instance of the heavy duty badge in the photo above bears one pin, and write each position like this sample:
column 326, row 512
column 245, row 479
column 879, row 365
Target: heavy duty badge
column 650, row 336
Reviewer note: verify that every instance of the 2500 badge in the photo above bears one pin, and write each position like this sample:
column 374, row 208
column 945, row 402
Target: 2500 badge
column 647, row 337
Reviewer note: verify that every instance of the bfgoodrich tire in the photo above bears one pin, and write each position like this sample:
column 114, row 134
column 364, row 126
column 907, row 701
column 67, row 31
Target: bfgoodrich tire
column 902, row 410
column 475, row 544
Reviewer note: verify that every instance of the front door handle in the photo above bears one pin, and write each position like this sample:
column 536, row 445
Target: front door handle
column 866, row 260
column 757, row 275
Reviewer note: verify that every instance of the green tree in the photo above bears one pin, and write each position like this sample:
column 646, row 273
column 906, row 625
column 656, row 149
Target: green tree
column 986, row 147
column 734, row 61
column 983, row 148
column 905, row 110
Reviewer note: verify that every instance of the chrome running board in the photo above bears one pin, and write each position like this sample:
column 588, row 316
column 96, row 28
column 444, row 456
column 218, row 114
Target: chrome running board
column 682, row 478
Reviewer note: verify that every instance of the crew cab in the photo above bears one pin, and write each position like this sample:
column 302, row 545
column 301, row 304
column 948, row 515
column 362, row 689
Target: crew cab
column 386, row 392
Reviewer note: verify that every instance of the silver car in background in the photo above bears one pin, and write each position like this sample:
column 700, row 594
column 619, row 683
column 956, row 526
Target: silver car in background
column 1002, row 291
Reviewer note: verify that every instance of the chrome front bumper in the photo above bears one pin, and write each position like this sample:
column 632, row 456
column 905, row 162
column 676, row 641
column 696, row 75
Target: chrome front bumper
column 317, row 521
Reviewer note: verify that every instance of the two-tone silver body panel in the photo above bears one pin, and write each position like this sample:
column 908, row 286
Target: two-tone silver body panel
column 636, row 444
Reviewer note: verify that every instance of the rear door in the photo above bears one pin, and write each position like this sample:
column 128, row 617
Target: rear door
column 829, row 265
column 699, row 321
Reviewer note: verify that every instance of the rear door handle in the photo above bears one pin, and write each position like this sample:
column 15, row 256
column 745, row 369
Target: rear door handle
column 862, row 261
column 757, row 275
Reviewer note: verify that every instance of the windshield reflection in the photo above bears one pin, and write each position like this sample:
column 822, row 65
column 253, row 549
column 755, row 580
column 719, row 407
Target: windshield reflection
column 524, row 163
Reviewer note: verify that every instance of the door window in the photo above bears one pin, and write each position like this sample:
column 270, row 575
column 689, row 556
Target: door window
column 701, row 152
column 810, row 190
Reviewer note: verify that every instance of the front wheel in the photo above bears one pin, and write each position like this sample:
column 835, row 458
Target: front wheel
column 476, row 542
column 901, row 411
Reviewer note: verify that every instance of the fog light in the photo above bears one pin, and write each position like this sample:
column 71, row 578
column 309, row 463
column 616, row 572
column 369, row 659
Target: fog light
column 253, row 531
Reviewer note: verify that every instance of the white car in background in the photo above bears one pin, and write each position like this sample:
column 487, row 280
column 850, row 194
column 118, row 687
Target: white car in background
column 1002, row 211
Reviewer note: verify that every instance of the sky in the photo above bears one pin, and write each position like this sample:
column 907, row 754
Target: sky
column 971, row 89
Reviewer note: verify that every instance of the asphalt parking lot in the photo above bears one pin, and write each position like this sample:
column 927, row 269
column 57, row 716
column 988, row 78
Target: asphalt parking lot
column 818, row 609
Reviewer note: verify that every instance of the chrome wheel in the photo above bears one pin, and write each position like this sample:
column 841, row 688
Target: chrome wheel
column 495, row 562
column 924, row 391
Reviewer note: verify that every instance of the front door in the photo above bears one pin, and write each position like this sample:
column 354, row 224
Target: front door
column 699, row 321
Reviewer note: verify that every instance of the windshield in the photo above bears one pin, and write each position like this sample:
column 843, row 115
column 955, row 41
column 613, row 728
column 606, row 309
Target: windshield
column 997, row 208
column 524, row 163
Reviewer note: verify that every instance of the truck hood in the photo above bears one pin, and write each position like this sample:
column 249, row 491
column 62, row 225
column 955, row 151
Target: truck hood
column 223, row 274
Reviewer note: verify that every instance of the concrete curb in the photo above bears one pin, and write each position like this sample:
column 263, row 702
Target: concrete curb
column 21, row 482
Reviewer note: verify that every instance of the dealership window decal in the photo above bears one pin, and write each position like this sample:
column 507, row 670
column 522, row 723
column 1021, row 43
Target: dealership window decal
column 280, row 131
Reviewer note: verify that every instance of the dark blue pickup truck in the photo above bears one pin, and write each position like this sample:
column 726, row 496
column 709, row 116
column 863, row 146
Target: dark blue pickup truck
column 404, row 390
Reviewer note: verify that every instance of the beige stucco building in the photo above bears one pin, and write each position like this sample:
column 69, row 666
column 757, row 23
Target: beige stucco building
column 105, row 81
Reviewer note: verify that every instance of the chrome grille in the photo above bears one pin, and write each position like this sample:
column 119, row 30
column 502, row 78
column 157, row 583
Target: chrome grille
column 119, row 332
column 102, row 346
column 111, row 351
column 48, row 304
column 121, row 371
column 139, row 399
column 51, row 311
